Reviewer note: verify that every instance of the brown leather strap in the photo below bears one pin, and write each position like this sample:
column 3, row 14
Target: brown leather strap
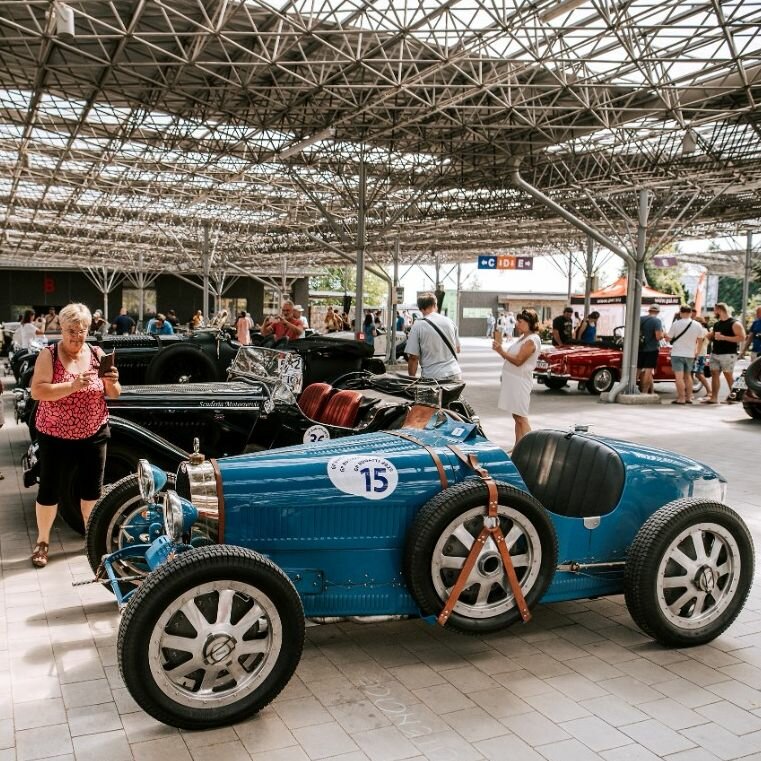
column 491, row 528
column 462, row 578
column 434, row 456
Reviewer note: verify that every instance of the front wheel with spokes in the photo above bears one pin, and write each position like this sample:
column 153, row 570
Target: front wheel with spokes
column 689, row 572
column 211, row 637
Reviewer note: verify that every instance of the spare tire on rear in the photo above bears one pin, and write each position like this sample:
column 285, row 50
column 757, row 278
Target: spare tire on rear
column 181, row 364
column 753, row 376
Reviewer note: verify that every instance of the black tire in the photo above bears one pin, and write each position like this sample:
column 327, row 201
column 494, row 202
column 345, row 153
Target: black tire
column 25, row 379
column 752, row 410
column 656, row 555
column 181, row 364
column 465, row 505
column 555, row 384
column 753, row 376
column 115, row 520
column 120, row 462
column 374, row 366
column 201, row 577
column 602, row 380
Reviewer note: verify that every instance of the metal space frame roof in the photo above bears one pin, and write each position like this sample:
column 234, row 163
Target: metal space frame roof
column 159, row 124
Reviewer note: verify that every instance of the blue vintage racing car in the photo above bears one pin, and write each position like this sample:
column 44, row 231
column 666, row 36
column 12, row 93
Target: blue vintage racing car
column 431, row 520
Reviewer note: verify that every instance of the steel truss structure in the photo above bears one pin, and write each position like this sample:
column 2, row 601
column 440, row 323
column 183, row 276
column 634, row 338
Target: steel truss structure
column 134, row 130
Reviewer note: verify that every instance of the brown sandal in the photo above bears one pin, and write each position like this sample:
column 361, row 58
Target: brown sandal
column 40, row 554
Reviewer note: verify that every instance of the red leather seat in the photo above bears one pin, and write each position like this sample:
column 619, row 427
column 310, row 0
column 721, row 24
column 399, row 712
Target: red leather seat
column 314, row 398
column 342, row 409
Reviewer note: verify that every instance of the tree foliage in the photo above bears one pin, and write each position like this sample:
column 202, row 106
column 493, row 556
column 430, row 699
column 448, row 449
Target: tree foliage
column 344, row 280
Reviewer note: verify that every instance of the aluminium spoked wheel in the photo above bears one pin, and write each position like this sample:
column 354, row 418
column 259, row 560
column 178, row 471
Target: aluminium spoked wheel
column 444, row 532
column 211, row 637
column 119, row 519
column 689, row 572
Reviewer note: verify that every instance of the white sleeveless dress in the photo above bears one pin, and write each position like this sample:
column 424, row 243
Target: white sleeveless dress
column 517, row 381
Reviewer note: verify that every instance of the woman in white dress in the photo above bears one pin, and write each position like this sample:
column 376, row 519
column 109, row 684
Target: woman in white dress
column 518, row 371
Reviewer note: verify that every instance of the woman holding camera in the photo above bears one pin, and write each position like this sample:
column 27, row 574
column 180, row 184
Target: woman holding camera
column 71, row 420
column 518, row 370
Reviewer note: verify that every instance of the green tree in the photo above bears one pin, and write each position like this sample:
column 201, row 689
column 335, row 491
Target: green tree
column 344, row 279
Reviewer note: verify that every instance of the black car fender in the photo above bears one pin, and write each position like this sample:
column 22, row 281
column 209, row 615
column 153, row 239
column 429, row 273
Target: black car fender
column 127, row 436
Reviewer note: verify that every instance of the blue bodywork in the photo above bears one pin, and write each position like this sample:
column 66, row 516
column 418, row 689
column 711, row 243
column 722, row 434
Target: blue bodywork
column 340, row 534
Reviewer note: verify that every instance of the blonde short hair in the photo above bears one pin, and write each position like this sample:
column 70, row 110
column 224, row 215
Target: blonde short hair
column 77, row 314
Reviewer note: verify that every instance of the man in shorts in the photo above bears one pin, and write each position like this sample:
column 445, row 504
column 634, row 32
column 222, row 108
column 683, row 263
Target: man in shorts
column 651, row 333
column 685, row 336
column 727, row 335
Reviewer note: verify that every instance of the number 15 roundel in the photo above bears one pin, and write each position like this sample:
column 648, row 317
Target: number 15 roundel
column 363, row 476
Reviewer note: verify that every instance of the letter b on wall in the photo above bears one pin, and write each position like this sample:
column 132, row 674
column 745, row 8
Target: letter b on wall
column 48, row 285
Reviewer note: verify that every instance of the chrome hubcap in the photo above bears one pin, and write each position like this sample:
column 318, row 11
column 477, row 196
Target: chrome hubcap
column 215, row 644
column 698, row 575
column 487, row 591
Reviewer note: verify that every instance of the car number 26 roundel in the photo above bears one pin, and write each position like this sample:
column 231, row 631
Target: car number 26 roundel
column 365, row 476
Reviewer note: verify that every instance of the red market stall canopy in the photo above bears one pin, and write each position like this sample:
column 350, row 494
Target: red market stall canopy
column 615, row 293
column 610, row 302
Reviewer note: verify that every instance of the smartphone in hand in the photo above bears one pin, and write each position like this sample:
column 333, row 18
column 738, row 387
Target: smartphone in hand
column 106, row 363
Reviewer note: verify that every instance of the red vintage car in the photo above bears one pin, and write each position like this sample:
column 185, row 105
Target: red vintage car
column 596, row 367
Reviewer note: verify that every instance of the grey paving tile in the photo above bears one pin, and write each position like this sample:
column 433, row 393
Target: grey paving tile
column 500, row 702
column 160, row 750
column 630, row 689
column 417, row 675
column 557, row 707
column 386, row 744
column 535, row 729
column 672, row 713
column 140, row 727
column 264, row 733
column 737, row 693
column 657, row 737
column 294, row 753
column 474, row 724
column 568, row 750
column 443, row 698
column 86, row 693
column 467, row 679
column 731, row 717
column 359, row 716
column 39, row 713
column 508, row 747
column 595, row 733
column 227, row 751
column 43, row 742
column 687, row 693
column 301, row 712
column 447, row 745
column 90, row 720
column 722, row 743
column 324, row 740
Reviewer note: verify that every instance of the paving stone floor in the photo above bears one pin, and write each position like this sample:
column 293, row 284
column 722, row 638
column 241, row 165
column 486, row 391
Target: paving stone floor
column 580, row 682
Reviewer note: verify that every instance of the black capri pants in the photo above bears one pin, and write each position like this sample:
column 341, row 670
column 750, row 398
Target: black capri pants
column 63, row 461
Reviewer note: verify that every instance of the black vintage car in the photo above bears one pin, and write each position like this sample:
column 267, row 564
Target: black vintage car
column 142, row 358
column 274, row 398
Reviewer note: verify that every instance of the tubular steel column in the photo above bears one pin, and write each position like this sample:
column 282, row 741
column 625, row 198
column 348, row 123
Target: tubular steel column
column 391, row 329
column 570, row 277
column 140, row 292
column 588, row 284
column 359, row 316
column 205, row 258
column 634, row 293
column 748, row 273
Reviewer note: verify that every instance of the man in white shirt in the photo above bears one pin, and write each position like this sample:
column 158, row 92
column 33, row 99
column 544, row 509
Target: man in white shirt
column 685, row 336
column 433, row 343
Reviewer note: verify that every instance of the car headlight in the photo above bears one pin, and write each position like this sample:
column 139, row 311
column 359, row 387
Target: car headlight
column 179, row 516
column 150, row 479
column 198, row 483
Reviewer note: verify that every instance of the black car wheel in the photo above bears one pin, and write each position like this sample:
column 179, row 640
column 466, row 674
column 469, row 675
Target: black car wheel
column 441, row 537
column 555, row 384
column 116, row 521
column 688, row 572
column 602, row 380
column 181, row 364
column 753, row 376
column 120, row 462
column 753, row 410
column 211, row 637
